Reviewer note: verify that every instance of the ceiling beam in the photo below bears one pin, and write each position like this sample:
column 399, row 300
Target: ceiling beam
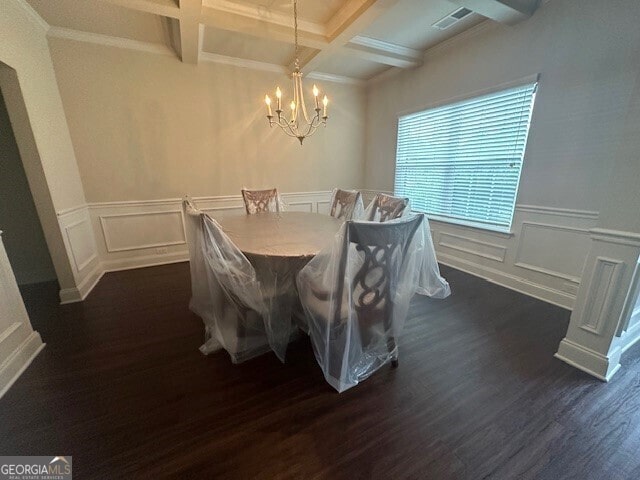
column 166, row 8
column 348, row 22
column 509, row 12
column 384, row 52
column 190, row 31
column 317, row 41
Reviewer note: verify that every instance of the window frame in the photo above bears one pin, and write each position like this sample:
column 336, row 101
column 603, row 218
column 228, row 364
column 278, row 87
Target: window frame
column 535, row 78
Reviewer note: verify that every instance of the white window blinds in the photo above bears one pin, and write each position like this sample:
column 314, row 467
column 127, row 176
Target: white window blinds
column 461, row 162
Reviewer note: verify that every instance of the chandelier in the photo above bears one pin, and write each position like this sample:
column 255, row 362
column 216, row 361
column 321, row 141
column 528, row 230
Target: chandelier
column 299, row 124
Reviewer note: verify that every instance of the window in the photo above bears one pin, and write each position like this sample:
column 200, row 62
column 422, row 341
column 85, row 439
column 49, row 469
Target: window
column 461, row 162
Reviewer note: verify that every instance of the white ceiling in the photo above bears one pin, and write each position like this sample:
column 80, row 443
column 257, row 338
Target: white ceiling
column 350, row 65
column 410, row 22
column 317, row 11
column 351, row 38
column 240, row 45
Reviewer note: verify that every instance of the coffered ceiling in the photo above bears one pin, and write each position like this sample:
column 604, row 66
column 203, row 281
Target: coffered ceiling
column 354, row 39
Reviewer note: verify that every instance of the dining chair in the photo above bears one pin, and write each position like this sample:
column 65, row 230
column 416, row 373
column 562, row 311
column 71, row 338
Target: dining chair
column 386, row 207
column 356, row 297
column 346, row 204
column 200, row 301
column 226, row 294
column 257, row 201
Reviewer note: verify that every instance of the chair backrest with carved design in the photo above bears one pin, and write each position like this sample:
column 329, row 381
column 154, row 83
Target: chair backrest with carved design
column 387, row 207
column 344, row 203
column 257, row 201
column 383, row 247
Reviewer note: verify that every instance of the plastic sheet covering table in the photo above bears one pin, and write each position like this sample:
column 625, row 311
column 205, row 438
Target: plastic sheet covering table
column 279, row 245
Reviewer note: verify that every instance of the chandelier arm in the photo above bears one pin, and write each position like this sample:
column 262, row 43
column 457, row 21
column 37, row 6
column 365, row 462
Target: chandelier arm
column 289, row 127
column 286, row 128
column 283, row 124
column 310, row 128
column 287, row 131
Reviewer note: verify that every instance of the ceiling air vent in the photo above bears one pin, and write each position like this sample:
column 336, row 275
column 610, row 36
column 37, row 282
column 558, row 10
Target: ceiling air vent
column 452, row 18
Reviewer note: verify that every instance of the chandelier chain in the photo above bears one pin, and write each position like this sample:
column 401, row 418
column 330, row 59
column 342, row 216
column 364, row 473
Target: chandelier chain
column 295, row 29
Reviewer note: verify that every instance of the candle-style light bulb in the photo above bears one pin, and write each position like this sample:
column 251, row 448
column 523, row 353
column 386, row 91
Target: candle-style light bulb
column 267, row 100
column 293, row 110
column 315, row 94
column 279, row 96
column 325, row 102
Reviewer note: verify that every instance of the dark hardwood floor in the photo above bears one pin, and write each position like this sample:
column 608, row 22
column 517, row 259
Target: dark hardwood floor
column 122, row 387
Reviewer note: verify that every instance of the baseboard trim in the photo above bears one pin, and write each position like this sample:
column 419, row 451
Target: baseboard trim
column 19, row 361
column 589, row 361
column 75, row 295
column 84, row 288
column 512, row 282
column 142, row 262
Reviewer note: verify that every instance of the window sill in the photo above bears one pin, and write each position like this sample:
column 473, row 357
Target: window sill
column 506, row 233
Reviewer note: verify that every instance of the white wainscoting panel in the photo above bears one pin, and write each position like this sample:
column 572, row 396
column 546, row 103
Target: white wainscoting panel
column 110, row 236
column 466, row 244
column 552, row 249
column 602, row 290
column 79, row 234
column 79, row 241
column 323, row 207
column 543, row 256
column 142, row 230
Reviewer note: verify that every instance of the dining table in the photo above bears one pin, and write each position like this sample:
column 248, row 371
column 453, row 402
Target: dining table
column 283, row 235
column 278, row 245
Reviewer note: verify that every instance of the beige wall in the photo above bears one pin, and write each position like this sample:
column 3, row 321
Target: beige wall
column 582, row 163
column 586, row 54
column 146, row 126
column 35, row 108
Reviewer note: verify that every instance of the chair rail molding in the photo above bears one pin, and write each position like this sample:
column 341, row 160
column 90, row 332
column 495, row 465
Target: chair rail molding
column 600, row 329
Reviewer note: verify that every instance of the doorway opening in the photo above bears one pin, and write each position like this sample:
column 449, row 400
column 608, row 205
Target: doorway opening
column 27, row 217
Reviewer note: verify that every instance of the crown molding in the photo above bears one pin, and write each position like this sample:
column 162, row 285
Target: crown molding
column 107, row 40
column 34, row 16
column 264, row 15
